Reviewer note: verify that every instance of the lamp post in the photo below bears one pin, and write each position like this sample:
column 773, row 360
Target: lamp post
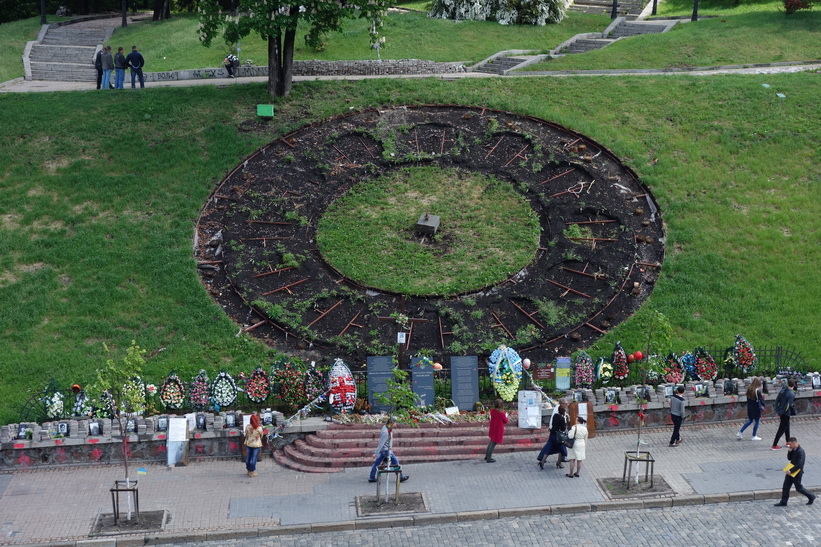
column 125, row 13
column 615, row 11
column 42, row 12
column 695, row 11
column 655, row 5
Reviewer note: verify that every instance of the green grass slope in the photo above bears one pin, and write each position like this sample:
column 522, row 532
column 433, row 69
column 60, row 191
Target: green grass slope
column 99, row 200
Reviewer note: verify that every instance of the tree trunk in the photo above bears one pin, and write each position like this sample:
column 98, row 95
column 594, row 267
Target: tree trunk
column 162, row 10
column 287, row 65
column 281, row 60
column 273, row 64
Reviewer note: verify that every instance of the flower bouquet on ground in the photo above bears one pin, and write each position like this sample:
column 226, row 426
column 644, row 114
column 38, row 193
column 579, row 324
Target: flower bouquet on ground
column 172, row 392
column 342, row 387
column 604, row 371
column 744, row 354
column 505, row 368
column 620, row 366
column 705, row 365
column 673, row 372
column 688, row 366
column 55, row 406
column 291, row 392
column 223, row 390
column 133, row 396
column 198, row 391
column 258, row 386
column 583, row 371
column 314, row 383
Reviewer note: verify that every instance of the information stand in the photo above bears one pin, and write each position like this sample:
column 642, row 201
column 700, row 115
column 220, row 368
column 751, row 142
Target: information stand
column 530, row 410
column 177, row 443
column 380, row 370
column 562, row 373
column 422, row 382
column 464, row 381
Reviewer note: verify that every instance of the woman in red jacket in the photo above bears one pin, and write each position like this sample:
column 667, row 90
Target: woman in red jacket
column 498, row 419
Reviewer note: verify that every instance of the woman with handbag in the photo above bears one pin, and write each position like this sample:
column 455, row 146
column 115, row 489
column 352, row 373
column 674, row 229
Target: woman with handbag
column 253, row 444
column 576, row 455
column 755, row 406
column 558, row 425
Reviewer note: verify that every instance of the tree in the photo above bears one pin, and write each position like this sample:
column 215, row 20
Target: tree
column 276, row 22
column 162, row 10
column 119, row 385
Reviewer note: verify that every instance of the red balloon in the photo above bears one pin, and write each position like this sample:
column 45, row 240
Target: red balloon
column 638, row 356
column 630, row 358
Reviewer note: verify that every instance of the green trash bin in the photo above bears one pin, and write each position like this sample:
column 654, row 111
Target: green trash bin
column 265, row 110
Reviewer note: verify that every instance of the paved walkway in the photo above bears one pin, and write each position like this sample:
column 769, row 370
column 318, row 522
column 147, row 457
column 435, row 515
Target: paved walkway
column 216, row 500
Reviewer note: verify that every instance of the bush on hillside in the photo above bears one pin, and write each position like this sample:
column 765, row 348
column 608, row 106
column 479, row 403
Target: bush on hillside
column 505, row 12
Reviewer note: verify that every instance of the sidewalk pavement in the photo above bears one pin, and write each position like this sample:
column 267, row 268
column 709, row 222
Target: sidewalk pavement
column 19, row 85
column 216, row 499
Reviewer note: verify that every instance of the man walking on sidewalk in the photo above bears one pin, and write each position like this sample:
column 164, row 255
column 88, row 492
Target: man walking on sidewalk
column 677, row 415
column 784, row 407
column 794, row 472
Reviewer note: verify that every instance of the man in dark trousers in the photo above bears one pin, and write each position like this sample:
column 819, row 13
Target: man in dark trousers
column 677, row 415
column 384, row 451
column 797, row 457
column 135, row 63
column 784, row 407
column 98, row 64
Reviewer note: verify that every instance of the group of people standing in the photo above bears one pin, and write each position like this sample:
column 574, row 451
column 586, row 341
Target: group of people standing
column 105, row 63
column 567, row 440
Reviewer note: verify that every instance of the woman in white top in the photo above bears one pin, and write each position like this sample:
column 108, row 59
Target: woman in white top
column 576, row 453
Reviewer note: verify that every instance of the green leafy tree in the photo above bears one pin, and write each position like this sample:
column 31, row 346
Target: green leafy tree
column 276, row 22
column 114, row 378
column 399, row 395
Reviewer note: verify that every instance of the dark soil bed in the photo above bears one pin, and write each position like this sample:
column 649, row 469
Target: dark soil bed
column 257, row 251
column 411, row 502
column 616, row 489
column 149, row 521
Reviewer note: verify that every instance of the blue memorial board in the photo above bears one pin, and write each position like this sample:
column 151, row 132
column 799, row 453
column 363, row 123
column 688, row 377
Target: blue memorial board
column 380, row 370
column 422, row 381
column 464, row 381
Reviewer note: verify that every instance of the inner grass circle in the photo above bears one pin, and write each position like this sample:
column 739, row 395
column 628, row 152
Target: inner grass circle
column 487, row 232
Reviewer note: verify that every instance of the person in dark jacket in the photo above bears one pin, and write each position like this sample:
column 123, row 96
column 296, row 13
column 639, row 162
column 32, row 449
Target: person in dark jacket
column 108, row 65
column 794, row 474
column 755, row 404
column 553, row 445
column 677, row 415
column 119, row 69
column 231, row 62
column 498, row 419
column 136, row 62
column 784, row 407
column 98, row 64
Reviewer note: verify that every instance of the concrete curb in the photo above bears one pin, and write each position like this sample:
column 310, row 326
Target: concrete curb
column 425, row 519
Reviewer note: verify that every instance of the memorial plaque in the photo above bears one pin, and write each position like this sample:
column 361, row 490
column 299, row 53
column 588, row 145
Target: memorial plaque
column 422, row 382
column 543, row 371
column 380, row 370
column 267, row 418
column 816, row 382
column 201, row 422
column 162, row 423
column 177, row 442
column 563, row 373
column 464, row 381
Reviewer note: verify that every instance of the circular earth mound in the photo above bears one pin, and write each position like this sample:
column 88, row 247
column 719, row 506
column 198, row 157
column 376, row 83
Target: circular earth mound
column 545, row 239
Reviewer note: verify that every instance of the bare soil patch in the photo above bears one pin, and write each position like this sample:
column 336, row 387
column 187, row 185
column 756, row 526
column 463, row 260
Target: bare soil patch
column 410, row 502
column 597, row 260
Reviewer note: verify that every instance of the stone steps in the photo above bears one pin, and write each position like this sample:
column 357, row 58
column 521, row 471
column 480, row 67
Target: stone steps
column 63, row 36
column 630, row 8
column 340, row 447
column 588, row 44
column 62, row 54
column 63, row 72
column 500, row 65
column 628, row 28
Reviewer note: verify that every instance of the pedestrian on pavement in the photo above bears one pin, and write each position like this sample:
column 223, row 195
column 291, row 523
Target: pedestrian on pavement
column 677, row 415
column 755, row 405
column 136, row 62
column 793, row 474
column 554, row 445
column 384, row 450
column 576, row 454
column 253, row 444
column 108, row 66
column 784, row 407
column 498, row 419
column 119, row 69
column 98, row 64
column 231, row 62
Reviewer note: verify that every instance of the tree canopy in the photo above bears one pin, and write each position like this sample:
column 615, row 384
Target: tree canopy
column 276, row 22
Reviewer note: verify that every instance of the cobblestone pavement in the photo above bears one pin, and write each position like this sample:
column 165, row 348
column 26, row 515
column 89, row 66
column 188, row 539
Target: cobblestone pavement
column 741, row 523
column 217, row 495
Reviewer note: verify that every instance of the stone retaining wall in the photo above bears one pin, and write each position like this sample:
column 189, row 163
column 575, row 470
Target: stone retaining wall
column 318, row 68
column 147, row 444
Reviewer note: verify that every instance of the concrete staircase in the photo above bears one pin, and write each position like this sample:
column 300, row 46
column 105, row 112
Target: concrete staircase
column 66, row 52
column 501, row 65
column 619, row 29
column 341, row 446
